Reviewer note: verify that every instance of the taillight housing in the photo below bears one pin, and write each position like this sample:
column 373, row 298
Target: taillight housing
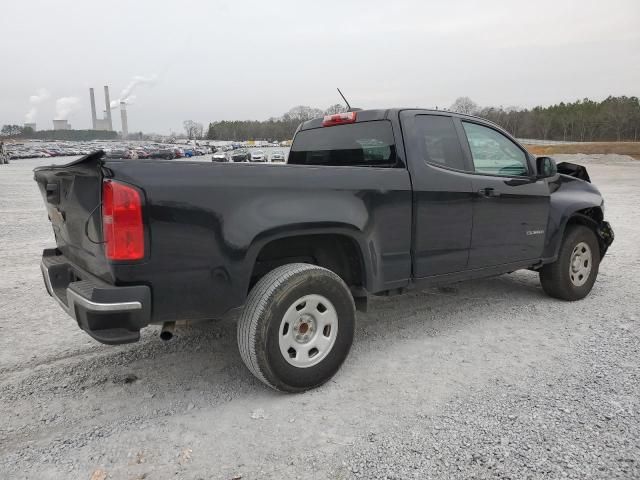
column 339, row 119
column 122, row 227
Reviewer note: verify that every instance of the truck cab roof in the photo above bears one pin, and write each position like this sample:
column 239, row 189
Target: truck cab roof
column 388, row 113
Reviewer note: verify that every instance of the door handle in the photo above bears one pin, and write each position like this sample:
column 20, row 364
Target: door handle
column 488, row 192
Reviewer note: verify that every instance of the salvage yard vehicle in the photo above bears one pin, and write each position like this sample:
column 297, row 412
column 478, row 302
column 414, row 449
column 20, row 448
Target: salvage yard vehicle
column 164, row 153
column 219, row 157
column 258, row 156
column 239, row 156
column 277, row 157
column 370, row 202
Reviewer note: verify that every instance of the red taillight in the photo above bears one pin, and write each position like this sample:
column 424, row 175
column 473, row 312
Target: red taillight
column 122, row 221
column 339, row 119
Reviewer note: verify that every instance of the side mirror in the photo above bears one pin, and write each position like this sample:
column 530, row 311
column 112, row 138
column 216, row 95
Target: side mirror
column 546, row 167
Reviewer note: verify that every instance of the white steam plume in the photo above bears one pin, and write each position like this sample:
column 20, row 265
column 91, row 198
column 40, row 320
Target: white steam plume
column 35, row 100
column 66, row 105
column 126, row 95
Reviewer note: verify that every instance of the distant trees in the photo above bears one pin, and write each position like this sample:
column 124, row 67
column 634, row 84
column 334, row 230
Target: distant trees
column 464, row 105
column 336, row 108
column 17, row 131
column 80, row 135
column 11, row 130
column 302, row 113
column 281, row 128
column 194, row 130
column 613, row 119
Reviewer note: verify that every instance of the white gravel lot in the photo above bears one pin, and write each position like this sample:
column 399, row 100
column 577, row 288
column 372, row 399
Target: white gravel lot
column 486, row 379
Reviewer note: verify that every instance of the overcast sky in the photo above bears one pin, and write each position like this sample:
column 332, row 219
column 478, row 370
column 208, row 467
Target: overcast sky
column 252, row 59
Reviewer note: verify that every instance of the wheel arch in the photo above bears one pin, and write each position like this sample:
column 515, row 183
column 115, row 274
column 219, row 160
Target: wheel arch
column 589, row 216
column 338, row 247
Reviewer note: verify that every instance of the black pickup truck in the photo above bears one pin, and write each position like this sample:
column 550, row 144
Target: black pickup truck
column 369, row 202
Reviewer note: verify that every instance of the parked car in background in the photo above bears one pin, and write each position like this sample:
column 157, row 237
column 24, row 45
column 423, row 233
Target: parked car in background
column 277, row 157
column 179, row 153
column 116, row 153
column 143, row 154
column 239, row 156
column 219, row 157
column 122, row 153
column 165, row 153
column 258, row 156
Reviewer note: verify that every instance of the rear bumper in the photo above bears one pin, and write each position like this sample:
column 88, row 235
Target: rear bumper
column 110, row 314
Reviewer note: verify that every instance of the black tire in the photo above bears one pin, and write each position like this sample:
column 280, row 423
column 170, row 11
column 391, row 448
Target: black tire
column 259, row 326
column 556, row 277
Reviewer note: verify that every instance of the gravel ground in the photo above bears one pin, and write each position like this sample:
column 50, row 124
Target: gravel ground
column 487, row 379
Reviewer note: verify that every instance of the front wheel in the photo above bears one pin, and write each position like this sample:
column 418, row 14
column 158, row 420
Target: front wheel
column 572, row 275
column 297, row 327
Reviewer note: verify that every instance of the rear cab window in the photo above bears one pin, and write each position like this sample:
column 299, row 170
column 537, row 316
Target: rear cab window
column 361, row 144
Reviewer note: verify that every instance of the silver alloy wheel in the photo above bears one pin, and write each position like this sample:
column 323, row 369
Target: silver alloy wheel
column 580, row 264
column 308, row 331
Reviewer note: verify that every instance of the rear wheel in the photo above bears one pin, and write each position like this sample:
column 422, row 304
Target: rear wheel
column 297, row 327
column 572, row 275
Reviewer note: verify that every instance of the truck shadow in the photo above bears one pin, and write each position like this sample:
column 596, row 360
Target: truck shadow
column 201, row 366
column 203, row 356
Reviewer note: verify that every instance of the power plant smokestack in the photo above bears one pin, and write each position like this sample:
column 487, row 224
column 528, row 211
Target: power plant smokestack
column 123, row 119
column 107, row 102
column 94, row 119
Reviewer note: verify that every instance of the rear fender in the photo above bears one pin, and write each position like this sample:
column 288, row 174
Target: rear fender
column 348, row 231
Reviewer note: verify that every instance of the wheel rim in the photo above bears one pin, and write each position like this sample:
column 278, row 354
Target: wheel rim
column 580, row 264
column 308, row 331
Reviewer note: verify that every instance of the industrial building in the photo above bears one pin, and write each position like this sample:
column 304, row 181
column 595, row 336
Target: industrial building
column 123, row 119
column 104, row 123
column 61, row 125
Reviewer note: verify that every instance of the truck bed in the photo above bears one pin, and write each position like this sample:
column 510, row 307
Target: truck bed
column 206, row 223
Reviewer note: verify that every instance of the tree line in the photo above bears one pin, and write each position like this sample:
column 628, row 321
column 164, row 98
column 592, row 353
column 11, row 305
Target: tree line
column 275, row 128
column 612, row 119
column 18, row 131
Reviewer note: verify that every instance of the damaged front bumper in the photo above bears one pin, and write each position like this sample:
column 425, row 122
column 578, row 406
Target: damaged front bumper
column 605, row 237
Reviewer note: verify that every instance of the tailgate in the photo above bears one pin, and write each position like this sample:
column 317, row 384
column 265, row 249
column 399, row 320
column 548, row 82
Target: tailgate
column 71, row 194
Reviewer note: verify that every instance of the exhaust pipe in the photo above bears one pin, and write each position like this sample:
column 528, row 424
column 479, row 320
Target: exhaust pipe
column 166, row 333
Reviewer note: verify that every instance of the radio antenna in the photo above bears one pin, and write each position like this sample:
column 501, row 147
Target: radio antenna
column 345, row 100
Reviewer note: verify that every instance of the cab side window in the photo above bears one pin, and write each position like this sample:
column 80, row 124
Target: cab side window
column 439, row 141
column 493, row 153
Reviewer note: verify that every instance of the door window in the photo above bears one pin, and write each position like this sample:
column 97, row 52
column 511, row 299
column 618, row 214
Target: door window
column 439, row 141
column 493, row 153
